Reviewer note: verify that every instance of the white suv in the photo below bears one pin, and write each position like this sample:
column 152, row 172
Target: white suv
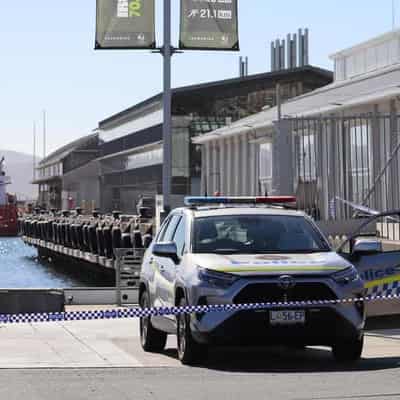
column 231, row 253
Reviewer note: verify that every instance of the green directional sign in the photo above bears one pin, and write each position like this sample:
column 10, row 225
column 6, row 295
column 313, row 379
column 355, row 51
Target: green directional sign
column 125, row 24
column 209, row 25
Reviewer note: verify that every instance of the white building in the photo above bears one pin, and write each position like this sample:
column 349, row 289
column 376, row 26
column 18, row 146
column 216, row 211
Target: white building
column 258, row 154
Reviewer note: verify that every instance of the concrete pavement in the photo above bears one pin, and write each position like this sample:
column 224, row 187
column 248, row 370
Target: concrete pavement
column 82, row 360
column 115, row 343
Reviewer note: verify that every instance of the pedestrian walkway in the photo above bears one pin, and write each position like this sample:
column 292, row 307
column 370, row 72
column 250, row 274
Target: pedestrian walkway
column 114, row 343
column 76, row 344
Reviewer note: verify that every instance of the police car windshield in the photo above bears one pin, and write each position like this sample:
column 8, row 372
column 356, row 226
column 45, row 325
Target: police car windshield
column 256, row 234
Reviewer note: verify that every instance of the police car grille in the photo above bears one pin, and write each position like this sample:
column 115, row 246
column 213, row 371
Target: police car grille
column 271, row 292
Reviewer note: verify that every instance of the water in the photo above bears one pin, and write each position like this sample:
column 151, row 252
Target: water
column 20, row 267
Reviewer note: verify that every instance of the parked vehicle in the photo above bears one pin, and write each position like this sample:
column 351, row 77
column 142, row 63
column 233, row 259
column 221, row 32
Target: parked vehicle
column 226, row 251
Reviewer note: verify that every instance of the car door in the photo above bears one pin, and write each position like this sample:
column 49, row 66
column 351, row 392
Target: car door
column 169, row 266
column 151, row 270
column 380, row 269
column 164, row 267
column 172, row 267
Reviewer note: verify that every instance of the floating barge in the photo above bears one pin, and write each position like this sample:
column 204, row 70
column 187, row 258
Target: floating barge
column 108, row 245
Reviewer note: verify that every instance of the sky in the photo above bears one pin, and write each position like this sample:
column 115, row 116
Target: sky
column 48, row 59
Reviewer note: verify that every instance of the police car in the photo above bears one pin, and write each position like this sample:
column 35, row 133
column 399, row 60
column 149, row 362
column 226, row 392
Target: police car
column 221, row 250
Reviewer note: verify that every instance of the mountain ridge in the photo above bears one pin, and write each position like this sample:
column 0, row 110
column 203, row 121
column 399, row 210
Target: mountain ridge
column 19, row 166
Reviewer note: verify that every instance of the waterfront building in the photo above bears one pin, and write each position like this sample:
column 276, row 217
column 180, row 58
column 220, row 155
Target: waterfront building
column 67, row 177
column 335, row 144
column 131, row 141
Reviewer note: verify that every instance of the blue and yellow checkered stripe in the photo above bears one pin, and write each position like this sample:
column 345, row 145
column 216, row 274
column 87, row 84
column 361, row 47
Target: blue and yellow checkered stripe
column 384, row 287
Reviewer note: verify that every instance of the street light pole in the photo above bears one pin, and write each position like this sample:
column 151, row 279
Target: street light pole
column 167, row 100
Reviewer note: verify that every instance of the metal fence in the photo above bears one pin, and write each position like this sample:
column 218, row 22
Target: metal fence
column 127, row 271
column 345, row 167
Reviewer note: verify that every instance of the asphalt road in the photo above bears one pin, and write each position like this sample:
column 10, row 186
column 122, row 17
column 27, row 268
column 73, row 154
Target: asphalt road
column 229, row 374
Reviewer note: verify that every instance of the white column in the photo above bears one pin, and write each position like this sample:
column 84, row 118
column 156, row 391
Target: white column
column 203, row 170
column 236, row 161
column 207, row 183
column 257, row 170
column 222, row 166
column 245, row 190
column 252, row 168
column 229, row 158
column 215, row 168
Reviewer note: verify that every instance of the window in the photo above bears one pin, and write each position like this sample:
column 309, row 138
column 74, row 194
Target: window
column 168, row 231
column 256, row 234
column 361, row 160
column 180, row 236
column 163, row 228
column 307, row 166
column 148, row 158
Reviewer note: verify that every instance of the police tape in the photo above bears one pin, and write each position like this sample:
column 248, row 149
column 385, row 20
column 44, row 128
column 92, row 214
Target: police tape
column 174, row 311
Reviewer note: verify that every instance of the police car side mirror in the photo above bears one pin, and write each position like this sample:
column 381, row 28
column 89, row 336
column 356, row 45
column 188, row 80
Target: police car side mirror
column 166, row 250
column 367, row 246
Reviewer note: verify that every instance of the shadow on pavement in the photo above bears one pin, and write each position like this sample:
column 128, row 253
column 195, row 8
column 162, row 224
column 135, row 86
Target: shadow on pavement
column 284, row 359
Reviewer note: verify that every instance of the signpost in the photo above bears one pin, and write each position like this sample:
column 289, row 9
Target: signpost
column 167, row 52
column 130, row 24
column 209, row 25
column 125, row 24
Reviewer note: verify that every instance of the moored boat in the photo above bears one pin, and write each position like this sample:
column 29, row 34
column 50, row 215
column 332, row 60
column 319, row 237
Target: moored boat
column 8, row 206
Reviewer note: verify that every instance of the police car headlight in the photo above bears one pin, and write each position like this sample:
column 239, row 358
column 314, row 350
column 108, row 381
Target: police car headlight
column 216, row 279
column 346, row 276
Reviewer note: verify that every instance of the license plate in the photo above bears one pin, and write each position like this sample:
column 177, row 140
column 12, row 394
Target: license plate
column 287, row 317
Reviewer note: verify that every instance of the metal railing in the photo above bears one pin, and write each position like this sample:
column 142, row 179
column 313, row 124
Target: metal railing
column 346, row 167
column 128, row 264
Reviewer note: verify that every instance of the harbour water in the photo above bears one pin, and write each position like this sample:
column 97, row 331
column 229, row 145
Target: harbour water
column 20, row 267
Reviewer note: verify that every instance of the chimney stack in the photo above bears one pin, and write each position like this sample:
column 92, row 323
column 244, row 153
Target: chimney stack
column 243, row 66
column 292, row 53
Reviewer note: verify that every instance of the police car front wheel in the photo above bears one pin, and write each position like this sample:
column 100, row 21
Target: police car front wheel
column 348, row 351
column 189, row 351
column 151, row 339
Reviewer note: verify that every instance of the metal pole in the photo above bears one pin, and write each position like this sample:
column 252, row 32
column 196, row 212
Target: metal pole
column 118, row 277
column 167, row 99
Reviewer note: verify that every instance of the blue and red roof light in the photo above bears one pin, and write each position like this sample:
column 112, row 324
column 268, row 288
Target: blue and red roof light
column 202, row 201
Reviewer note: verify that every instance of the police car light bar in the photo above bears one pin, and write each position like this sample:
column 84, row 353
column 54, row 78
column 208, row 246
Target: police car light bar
column 201, row 201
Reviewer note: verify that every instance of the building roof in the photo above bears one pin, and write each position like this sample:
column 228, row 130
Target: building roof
column 233, row 82
column 64, row 151
column 367, row 44
column 364, row 89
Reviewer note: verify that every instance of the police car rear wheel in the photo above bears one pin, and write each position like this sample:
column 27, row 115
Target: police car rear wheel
column 189, row 351
column 151, row 339
column 348, row 351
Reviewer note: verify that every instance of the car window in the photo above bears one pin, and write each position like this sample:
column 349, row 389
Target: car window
column 164, row 227
column 169, row 231
column 180, row 236
column 257, row 234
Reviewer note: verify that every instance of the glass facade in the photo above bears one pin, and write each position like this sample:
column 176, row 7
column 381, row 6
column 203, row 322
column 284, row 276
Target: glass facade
column 145, row 159
column 50, row 171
